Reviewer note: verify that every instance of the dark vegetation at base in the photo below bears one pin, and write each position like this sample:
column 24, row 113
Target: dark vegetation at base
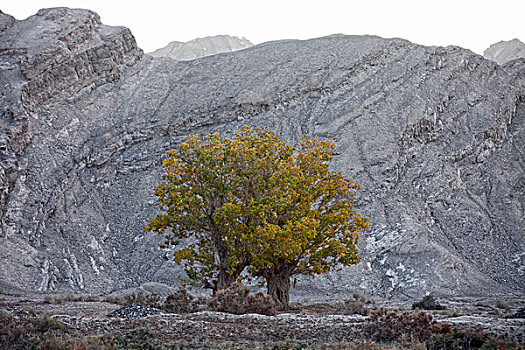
column 358, row 304
column 381, row 329
column 238, row 300
column 387, row 326
column 44, row 333
column 456, row 339
column 384, row 330
column 235, row 300
column 180, row 302
column 428, row 303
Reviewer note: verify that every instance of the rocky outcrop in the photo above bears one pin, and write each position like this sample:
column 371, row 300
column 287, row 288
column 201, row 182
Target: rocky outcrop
column 201, row 47
column 435, row 136
column 51, row 59
column 505, row 51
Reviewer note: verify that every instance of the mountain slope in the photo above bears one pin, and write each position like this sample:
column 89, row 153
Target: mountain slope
column 201, row 47
column 435, row 137
column 505, row 51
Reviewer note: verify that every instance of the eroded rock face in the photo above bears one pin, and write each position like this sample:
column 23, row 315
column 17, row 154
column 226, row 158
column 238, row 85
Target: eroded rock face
column 435, row 137
column 505, row 51
column 201, row 47
column 48, row 62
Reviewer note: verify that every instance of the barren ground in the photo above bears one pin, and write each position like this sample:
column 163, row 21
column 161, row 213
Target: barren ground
column 319, row 325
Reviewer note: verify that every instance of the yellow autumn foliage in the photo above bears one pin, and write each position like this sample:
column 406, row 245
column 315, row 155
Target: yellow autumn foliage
column 254, row 202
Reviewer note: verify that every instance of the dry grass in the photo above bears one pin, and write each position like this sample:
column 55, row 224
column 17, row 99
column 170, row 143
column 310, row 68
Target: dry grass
column 238, row 300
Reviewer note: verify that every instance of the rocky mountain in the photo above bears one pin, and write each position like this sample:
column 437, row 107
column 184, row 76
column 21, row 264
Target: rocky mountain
column 201, row 47
column 505, row 51
column 435, row 136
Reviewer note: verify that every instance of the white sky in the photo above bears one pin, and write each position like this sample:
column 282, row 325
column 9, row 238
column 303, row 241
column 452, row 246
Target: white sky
column 473, row 24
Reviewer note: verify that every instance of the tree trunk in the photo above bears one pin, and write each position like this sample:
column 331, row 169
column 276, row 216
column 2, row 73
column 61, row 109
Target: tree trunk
column 279, row 290
column 224, row 280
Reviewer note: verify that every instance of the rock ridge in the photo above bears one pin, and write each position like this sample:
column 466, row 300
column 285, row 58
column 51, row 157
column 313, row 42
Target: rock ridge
column 85, row 54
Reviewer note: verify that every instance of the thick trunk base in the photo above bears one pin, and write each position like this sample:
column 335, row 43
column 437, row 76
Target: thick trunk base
column 279, row 290
column 225, row 280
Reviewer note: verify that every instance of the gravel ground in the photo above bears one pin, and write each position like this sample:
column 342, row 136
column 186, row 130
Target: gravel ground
column 310, row 325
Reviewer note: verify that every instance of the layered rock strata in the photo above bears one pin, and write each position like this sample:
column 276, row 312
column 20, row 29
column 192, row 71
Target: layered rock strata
column 435, row 137
column 49, row 62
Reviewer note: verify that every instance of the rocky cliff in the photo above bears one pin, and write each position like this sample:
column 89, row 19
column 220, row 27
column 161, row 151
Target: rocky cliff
column 201, row 47
column 49, row 62
column 435, row 136
column 505, row 51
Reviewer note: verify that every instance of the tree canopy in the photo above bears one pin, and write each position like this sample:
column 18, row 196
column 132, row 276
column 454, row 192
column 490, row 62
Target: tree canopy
column 254, row 203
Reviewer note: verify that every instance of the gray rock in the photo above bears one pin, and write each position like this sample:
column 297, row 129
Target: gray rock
column 505, row 51
column 434, row 136
column 135, row 311
column 201, row 47
column 518, row 314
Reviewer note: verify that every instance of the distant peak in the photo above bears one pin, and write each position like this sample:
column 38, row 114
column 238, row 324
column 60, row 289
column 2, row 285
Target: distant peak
column 201, row 47
column 505, row 51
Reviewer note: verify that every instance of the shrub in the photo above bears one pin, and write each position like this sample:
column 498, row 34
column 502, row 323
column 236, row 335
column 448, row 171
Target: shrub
column 44, row 333
column 135, row 339
column 84, row 297
column 88, row 298
column 363, row 345
column 152, row 300
column 70, row 297
column 428, row 303
column 469, row 340
column 182, row 302
column 238, row 300
column 387, row 326
column 29, row 332
column 357, row 305
column 113, row 299
column 502, row 305
column 289, row 345
column 481, row 304
column 53, row 299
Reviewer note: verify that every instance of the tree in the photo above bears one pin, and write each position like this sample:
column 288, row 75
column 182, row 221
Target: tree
column 307, row 224
column 209, row 192
column 254, row 202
